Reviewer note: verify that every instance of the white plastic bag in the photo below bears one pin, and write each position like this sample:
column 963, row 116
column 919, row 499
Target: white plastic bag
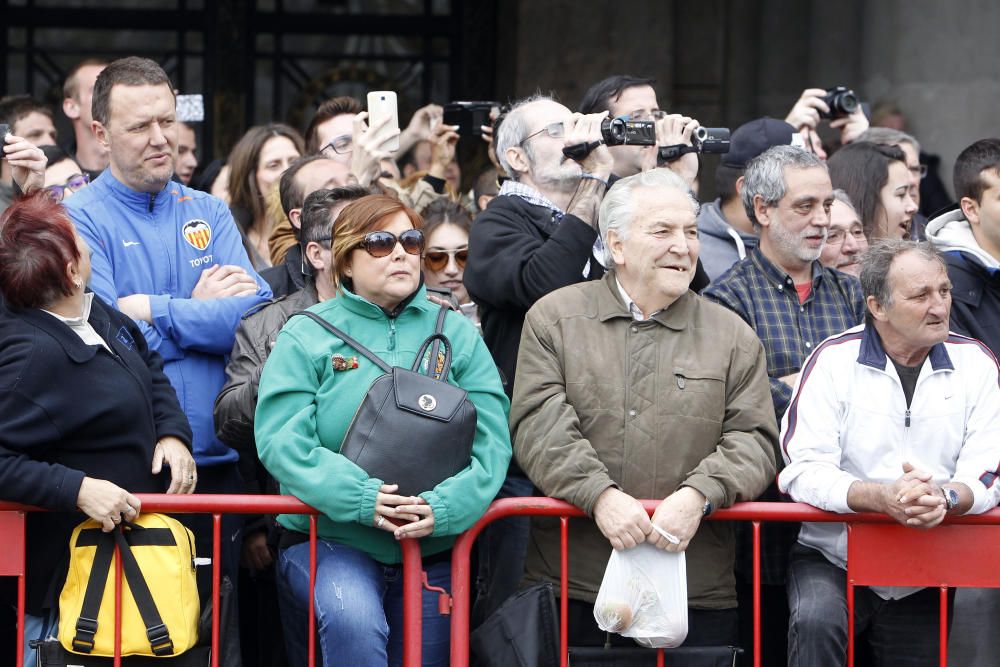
column 644, row 596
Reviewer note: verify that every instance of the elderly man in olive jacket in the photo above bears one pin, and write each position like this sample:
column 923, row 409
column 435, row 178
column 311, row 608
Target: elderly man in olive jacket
column 633, row 387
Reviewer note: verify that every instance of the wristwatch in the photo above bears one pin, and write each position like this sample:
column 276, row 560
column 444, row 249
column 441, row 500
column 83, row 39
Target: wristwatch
column 706, row 509
column 950, row 497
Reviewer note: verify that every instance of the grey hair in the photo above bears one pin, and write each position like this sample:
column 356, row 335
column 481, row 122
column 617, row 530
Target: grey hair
column 765, row 175
column 886, row 136
column 513, row 130
column 877, row 260
column 844, row 199
column 618, row 206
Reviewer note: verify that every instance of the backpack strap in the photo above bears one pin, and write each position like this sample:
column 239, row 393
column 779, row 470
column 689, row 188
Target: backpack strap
column 156, row 632
column 347, row 339
column 86, row 624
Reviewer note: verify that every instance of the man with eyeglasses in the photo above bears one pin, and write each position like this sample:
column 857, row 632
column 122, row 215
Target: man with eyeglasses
column 537, row 235
column 846, row 240
column 633, row 97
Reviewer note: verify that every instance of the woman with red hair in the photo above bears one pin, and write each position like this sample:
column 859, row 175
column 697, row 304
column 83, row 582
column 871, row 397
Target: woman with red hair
column 87, row 417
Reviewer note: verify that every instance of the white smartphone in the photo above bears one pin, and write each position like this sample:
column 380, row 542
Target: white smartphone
column 382, row 103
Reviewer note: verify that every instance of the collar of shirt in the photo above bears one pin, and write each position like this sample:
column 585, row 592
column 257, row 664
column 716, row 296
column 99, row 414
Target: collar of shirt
column 633, row 309
column 777, row 276
column 81, row 325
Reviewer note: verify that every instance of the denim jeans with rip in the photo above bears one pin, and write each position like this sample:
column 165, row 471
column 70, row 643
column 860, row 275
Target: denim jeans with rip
column 359, row 608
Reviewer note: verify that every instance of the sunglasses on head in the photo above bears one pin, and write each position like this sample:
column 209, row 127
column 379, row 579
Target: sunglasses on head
column 436, row 260
column 381, row 244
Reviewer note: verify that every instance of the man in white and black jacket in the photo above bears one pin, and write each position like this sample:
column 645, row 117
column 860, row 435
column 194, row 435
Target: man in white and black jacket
column 898, row 416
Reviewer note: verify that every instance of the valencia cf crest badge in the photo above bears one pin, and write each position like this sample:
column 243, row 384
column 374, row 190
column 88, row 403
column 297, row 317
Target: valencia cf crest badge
column 197, row 233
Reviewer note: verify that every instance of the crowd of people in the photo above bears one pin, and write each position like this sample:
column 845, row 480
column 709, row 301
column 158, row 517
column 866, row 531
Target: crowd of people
column 817, row 333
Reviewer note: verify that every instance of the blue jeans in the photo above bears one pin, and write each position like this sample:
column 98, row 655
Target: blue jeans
column 359, row 608
column 38, row 627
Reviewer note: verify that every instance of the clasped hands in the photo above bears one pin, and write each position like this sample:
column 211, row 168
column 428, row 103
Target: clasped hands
column 914, row 499
column 403, row 516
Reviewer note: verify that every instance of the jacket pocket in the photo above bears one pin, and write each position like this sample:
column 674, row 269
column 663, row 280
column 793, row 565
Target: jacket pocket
column 698, row 393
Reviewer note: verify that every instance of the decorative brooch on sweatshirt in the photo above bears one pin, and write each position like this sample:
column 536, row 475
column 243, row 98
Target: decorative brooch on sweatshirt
column 342, row 363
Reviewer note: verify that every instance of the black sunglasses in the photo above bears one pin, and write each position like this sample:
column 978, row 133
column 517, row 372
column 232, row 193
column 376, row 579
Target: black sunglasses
column 381, row 244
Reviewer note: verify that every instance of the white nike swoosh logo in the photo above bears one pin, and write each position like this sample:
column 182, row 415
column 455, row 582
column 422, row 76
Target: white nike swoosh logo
column 129, row 243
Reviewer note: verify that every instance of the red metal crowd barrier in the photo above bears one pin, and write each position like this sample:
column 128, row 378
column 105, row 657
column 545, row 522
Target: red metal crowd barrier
column 12, row 561
column 881, row 552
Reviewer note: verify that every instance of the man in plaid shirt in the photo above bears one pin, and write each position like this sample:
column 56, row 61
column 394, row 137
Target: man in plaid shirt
column 793, row 303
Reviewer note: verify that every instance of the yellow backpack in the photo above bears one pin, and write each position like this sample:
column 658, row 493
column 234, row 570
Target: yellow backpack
column 160, row 605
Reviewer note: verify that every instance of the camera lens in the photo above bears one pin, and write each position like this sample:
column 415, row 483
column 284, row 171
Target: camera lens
column 617, row 129
column 848, row 102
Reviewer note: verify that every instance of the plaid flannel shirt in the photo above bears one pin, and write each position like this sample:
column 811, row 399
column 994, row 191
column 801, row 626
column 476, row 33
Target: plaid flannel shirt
column 765, row 297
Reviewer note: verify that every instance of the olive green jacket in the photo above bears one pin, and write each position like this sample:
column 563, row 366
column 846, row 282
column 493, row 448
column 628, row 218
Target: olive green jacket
column 602, row 400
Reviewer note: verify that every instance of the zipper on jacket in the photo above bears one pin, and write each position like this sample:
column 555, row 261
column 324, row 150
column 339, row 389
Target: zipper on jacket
column 152, row 200
column 906, row 422
column 392, row 334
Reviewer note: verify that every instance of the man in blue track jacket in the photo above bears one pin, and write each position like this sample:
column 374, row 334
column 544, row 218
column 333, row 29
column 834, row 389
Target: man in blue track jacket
column 169, row 257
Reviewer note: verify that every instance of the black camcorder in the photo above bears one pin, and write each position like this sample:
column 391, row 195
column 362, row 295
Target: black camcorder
column 703, row 140
column 469, row 116
column 711, row 140
column 621, row 132
column 842, row 102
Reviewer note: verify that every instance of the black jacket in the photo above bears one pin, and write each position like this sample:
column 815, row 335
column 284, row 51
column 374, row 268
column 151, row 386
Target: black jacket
column 286, row 278
column 975, row 299
column 518, row 253
column 69, row 410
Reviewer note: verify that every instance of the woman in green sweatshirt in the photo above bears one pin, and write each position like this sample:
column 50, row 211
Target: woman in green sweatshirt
column 310, row 389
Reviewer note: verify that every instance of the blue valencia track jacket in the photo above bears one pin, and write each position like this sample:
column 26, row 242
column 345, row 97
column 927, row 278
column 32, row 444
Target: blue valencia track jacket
column 159, row 244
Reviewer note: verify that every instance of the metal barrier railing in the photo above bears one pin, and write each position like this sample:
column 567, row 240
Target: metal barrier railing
column 881, row 552
column 13, row 560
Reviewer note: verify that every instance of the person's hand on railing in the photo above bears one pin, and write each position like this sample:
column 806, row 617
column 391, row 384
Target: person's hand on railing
column 680, row 515
column 106, row 502
column 183, row 471
column 621, row 518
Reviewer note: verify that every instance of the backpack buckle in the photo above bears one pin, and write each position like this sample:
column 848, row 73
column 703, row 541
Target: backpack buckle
column 86, row 628
column 159, row 640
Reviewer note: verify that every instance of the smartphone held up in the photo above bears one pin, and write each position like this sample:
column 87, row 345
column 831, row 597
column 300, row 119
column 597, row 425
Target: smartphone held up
column 382, row 105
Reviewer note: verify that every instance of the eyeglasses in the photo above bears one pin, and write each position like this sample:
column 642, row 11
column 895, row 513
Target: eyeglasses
column 381, row 244
column 58, row 192
column 838, row 236
column 642, row 114
column 919, row 170
column 340, row 145
column 554, row 130
column 436, row 260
